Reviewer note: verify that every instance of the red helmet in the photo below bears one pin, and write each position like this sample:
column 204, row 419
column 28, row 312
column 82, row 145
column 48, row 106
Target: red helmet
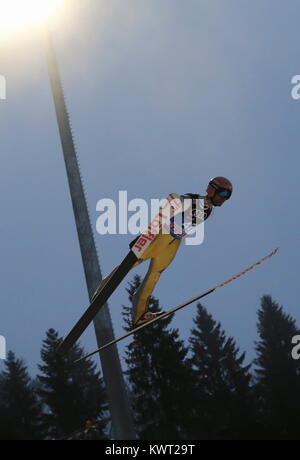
column 219, row 186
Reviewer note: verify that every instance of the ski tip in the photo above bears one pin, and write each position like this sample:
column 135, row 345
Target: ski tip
column 274, row 252
column 271, row 254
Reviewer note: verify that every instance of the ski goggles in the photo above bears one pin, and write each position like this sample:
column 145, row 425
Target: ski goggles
column 224, row 193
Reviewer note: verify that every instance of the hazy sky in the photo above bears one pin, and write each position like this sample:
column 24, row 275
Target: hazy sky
column 163, row 95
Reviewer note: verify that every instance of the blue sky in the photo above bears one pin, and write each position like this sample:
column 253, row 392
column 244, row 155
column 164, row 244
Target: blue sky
column 163, row 95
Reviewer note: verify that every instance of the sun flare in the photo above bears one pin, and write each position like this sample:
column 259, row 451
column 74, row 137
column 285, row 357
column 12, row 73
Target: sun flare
column 15, row 14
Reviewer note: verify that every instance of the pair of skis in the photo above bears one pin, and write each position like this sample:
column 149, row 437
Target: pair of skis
column 179, row 307
column 171, row 207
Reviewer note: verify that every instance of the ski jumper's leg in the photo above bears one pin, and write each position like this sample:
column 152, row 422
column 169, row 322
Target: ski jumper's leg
column 142, row 259
column 146, row 256
column 161, row 252
column 107, row 277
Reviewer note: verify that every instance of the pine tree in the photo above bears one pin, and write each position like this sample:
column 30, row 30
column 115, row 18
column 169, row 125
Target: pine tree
column 278, row 375
column 20, row 410
column 158, row 377
column 222, row 383
column 71, row 393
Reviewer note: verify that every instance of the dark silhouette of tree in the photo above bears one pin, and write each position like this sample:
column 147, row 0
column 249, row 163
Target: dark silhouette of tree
column 71, row 393
column 158, row 377
column 180, row 393
column 277, row 374
column 223, row 397
column 20, row 410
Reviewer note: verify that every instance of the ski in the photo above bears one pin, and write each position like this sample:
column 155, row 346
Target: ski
column 106, row 288
column 179, row 307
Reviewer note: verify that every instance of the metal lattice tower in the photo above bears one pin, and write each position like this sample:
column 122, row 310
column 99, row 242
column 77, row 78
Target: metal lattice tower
column 112, row 372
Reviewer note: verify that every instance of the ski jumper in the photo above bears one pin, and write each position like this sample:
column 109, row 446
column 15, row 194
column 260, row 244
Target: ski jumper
column 158, row 246
column 163, row 249
column 161, row 253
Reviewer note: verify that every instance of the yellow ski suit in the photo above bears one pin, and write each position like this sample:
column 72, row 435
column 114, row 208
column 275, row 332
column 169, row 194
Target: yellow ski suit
column 161, row 251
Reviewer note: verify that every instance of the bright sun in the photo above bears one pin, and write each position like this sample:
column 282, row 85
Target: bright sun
column 23, row 13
